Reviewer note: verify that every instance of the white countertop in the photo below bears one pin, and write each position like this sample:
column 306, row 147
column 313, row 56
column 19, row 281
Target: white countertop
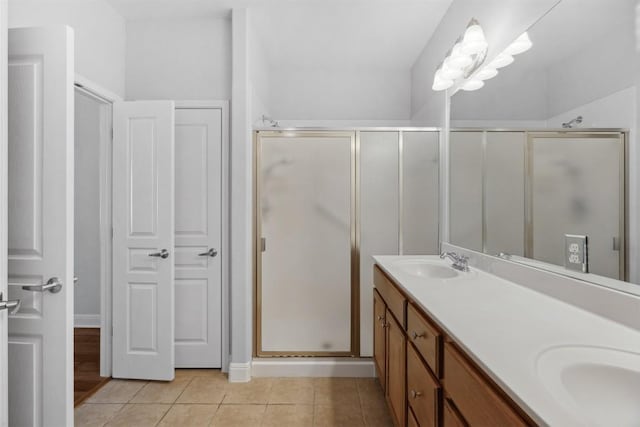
column 504, row 327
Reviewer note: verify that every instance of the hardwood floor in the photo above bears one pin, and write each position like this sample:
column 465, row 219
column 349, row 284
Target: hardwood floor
column 87, row 379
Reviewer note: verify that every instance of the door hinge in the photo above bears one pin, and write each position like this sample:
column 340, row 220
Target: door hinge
column 263, row 244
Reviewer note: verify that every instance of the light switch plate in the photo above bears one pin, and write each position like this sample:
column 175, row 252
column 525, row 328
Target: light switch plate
column 576, row 254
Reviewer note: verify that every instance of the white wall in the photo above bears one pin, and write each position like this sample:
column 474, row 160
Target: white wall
column 600, row 69
column 340, row 93
column 87, row 206
column 259, row 73
column 502, row 22
column 99, row 35
column 179, row 59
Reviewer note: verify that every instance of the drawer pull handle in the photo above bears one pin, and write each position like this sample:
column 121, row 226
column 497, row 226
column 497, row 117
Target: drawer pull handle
column 380, row 317
column 416, row 335
column 415, row 394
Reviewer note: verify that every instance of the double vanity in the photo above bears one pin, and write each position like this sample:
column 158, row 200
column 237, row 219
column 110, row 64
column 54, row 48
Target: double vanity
column 458, row 348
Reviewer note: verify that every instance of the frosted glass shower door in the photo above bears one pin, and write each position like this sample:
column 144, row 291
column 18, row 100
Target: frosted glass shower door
column 577, row 187
column 306, row 223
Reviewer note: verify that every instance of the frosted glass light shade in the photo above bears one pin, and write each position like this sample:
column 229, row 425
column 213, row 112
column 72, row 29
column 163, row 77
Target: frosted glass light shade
column 521, row 44
column 473, row 41
column 472, row 84
column 448, row 73
column 441, row 83
column 457, row 59
column 502, row 60
column 486, row 73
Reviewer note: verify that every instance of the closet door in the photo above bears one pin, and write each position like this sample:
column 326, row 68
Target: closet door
column 143, row 240
column 198, row 262
column 40, row 226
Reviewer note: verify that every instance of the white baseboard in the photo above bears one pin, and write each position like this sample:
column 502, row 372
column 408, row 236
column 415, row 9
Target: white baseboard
column 86, row 320
column 313, row 367
column 239, row 372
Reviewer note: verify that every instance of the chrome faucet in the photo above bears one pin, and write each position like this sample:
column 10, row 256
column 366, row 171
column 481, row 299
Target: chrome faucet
column 459, row 261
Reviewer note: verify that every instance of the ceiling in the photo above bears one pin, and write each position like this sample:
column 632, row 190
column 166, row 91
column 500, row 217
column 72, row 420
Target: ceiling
column 353, row 34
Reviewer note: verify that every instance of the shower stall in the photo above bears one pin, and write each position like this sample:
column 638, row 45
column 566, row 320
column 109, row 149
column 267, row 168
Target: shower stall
column 325, row 202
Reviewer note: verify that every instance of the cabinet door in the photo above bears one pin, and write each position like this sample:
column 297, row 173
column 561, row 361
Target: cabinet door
column 396, row 368
column 451, row 417
column 379, row 339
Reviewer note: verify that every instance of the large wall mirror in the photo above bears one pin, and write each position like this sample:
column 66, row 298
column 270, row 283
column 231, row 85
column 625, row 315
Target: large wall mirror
column 546, row 148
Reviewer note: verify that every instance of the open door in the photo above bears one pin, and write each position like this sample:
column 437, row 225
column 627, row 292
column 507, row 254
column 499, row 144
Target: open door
column 143, row 240
column 40, row 238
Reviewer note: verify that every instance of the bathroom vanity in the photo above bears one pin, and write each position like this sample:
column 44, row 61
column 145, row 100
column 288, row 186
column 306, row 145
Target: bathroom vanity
column 458, row 348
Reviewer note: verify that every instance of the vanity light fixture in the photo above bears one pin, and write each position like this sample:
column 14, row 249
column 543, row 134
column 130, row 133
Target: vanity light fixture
column 464, row 58
column 489, row 71
column 521, row 44
column 486, row 73
column 472, row 84
column 502, row 60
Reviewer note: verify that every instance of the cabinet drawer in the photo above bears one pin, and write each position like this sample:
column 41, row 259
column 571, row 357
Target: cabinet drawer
column 425, row 337
column 394, row 299
column 423, row 391
column 473, row 395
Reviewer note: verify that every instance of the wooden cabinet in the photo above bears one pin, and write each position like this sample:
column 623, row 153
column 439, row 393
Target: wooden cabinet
column 450, row 415
column 379, row 337
column 425, row 337
column 428, row 380
column 473, row 395
column 423, row 390
column 396, row 369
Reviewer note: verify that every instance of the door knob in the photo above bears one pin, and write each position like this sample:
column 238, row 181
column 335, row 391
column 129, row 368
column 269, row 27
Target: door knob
column 12, row 305
column 211, row 252
column 53, row 285
column 164, row 254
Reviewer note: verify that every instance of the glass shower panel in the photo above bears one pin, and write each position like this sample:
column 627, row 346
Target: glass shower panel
column 576, row 188
column 504, row 193
column 465, row 189
column 420, row 193
column 379, row 216
column 305, row 219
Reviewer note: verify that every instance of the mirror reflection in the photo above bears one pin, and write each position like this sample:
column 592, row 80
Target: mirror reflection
column 539, row 156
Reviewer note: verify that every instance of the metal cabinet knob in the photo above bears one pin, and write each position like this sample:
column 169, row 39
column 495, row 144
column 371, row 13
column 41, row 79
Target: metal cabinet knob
column 211, row 252
column 416, row 335
column 164, row 254
column 53, row 285
column 415, row 394
column 12, row 305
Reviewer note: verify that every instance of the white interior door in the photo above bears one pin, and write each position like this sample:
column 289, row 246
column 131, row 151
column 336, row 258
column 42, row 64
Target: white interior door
column 198, row 237
column 143, row 240
column 40, row 243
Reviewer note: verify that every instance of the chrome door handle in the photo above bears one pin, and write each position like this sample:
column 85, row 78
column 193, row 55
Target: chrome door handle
column 211, row 252
column 164, row 254
column 53, row 285
column 12, row 305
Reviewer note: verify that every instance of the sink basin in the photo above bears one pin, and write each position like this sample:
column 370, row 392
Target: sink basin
column 426, row 269
column 602, row 384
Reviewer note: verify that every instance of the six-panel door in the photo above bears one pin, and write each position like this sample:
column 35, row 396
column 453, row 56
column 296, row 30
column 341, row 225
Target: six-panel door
column 198, row 263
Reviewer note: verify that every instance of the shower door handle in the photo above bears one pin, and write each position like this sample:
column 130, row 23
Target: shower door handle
column 211, row 252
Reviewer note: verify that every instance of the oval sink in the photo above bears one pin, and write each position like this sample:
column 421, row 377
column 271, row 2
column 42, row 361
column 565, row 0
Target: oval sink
column 426, row 269
column 603, row 384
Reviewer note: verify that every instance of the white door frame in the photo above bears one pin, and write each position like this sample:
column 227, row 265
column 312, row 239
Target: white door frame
column 224, row 245
column 106, row 152
column 4, row 352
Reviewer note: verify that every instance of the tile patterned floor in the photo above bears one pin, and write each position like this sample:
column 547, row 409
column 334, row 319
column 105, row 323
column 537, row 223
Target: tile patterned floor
column 206, row 398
